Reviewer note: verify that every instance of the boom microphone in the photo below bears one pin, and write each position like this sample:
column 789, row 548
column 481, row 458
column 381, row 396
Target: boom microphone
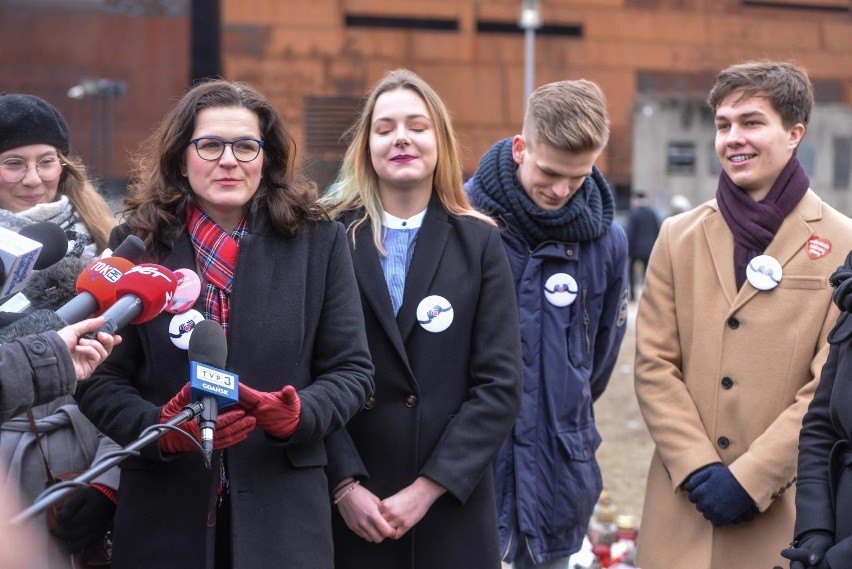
column 142, row 293
column 209, row 382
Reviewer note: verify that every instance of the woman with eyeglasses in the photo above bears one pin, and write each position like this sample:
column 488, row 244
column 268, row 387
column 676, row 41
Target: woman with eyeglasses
column 216, row 189
column 40, row 180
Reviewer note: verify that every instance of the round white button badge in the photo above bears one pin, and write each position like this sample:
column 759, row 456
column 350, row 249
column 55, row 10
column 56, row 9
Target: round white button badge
column 435, row 313
column 764, row 272
column 561, row 289
column 181, row 327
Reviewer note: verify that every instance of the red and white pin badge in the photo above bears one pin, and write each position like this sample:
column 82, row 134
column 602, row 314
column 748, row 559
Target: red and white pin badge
column 818, row 247
column 187, row 292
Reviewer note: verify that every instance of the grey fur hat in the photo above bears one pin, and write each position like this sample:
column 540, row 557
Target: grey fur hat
column 27, row 119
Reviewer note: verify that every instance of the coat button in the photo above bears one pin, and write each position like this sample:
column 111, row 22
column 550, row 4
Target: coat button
column 727, row 382
column 370, row 403
column 723, row 442
column 411, row 401
column 569, row 252
column 38, row 347
column 733, row 323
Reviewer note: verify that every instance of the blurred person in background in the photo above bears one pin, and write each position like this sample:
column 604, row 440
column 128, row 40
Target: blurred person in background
column 216, row 188
column 40, row 180
column 642, row 230
column 411, row 474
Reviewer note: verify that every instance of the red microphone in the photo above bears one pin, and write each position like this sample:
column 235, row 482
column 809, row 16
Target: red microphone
column 96, row 287
column 142, row 293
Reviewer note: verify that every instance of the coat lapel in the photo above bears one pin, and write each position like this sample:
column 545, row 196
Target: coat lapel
column 371, row 281
column 720, row 242
column 791, row 237
column 431, row 240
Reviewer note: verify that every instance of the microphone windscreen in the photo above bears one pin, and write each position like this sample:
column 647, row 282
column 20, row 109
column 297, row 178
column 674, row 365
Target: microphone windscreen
column 54, row 286
column 208, row 345
column 53, row 240
column 154, row 285
column 33, row 323
column 131, row 249
column 101, row 277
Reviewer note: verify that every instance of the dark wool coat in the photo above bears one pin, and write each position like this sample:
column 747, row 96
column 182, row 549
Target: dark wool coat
column 295, row 319
column 824, row 485
column 444, row 402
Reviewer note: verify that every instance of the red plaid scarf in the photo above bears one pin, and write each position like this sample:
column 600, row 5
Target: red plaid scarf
column 216, row 257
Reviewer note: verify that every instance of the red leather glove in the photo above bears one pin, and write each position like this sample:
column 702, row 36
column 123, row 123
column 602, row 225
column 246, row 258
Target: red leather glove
column 233, row 426
column 276, row 413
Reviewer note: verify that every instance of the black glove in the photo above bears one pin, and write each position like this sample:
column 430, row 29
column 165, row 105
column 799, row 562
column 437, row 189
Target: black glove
column 84, row 520
column 717, row 494
column 809, row 551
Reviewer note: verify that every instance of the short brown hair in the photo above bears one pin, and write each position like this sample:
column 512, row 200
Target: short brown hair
column 784, row 84
column 568, row 115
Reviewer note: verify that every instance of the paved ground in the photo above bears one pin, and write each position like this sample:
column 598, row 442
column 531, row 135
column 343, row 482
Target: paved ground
column 626, row 450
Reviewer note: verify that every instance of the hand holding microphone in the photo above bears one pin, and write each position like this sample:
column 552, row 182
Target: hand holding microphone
column 276, row 413
column 85, row 353
column 232, row 427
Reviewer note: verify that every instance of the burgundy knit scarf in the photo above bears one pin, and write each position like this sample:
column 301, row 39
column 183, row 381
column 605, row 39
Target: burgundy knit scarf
column 754, row 224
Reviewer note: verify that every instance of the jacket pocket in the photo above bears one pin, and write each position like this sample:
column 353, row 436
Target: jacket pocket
column 576, row 479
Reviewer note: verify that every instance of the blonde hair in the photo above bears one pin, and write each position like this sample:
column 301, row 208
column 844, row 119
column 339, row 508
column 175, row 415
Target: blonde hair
column 87, row 201
column 568, row 115
column 357, row 184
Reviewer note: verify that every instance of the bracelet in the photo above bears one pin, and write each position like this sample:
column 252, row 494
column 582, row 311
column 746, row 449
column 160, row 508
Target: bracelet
column 346, row 492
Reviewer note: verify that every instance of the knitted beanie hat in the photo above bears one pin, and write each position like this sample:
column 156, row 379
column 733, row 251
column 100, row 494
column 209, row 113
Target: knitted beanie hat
column 26, row 119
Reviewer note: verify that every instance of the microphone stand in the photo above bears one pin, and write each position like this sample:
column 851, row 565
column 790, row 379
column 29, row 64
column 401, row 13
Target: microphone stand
column 55, row 493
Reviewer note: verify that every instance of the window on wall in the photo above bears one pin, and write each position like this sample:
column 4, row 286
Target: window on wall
column 681, row 159
column 842, row 162
column 715, row 164
column 829, row 5
column 807, row 154
column 326, row 121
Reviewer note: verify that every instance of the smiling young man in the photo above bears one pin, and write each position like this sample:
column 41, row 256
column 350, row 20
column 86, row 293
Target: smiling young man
column 569, row 262
column 731, row 334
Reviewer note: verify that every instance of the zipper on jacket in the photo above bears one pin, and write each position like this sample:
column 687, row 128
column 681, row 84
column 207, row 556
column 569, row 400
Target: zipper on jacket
column 508, row 546
column 586, row 322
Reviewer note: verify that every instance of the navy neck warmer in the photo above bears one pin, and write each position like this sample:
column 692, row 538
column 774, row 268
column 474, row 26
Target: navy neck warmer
column 496, row 190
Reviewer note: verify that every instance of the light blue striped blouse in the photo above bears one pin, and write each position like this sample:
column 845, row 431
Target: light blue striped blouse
column 400, row 236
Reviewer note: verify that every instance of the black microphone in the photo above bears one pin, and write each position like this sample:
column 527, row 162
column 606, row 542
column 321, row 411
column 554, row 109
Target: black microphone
column 209, row 382
column 132, row 249
column 54, row 242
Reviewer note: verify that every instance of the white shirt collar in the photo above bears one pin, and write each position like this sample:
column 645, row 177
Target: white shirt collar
column 393, row 222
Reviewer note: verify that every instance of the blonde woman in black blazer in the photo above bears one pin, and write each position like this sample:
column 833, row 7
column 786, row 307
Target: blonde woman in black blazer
column 411, row 474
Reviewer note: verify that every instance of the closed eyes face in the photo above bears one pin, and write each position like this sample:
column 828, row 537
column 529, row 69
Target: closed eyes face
column 549, row 175
column 752, row 142
column 403, row 143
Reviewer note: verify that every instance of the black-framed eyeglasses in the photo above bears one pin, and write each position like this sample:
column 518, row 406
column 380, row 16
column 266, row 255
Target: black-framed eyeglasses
column 211, row 148
column 48, row 169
